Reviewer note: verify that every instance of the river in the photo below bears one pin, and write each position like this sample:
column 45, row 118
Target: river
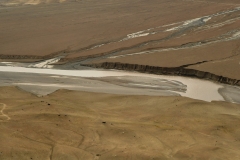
column 43, row 81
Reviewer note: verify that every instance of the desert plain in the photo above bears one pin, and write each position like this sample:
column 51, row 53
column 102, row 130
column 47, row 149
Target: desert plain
column 61, row 97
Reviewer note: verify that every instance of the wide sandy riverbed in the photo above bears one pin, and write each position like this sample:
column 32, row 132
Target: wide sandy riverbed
column 44, row 81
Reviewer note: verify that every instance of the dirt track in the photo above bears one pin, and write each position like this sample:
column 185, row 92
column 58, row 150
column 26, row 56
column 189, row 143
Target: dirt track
column 2, row 114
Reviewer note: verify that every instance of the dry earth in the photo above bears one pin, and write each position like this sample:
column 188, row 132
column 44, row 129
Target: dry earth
column 81, row 125
column 167, row 30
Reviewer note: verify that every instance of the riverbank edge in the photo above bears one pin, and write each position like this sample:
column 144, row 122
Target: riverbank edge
column 174, row 71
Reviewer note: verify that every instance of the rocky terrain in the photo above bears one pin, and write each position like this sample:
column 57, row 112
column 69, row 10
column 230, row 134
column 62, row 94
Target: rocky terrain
column 81, row 125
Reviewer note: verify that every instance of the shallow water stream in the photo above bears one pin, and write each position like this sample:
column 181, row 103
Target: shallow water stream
column 42, row 81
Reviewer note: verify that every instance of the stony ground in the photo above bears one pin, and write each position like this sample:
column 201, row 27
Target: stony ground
column 81, row 125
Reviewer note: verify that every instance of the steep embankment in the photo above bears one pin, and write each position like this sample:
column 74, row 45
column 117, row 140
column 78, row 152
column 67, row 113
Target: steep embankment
column 167, row 71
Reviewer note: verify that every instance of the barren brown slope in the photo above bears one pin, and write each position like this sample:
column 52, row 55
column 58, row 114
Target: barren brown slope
column 72, row 27
column 175, row 33
column 81, row 125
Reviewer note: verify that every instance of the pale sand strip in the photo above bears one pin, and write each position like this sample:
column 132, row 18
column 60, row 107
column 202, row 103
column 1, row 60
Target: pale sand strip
column 4, row 106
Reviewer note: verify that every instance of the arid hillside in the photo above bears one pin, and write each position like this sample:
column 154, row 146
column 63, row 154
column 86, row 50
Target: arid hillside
column 81, row 125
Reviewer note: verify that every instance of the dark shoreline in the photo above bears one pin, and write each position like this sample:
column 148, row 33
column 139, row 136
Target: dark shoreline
column 177, row 71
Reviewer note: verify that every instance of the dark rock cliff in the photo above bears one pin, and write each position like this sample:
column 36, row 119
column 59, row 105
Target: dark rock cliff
column 179, row 71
